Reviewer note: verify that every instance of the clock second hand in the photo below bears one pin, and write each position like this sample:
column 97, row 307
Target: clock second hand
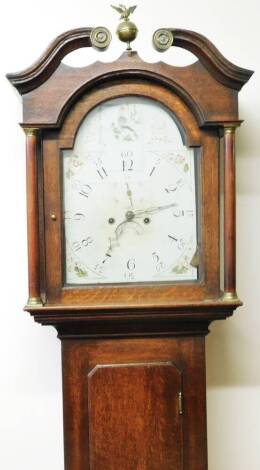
column 114, row 241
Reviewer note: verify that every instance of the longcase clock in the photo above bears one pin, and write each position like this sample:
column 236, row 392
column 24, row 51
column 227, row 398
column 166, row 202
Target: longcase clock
column 124, row 239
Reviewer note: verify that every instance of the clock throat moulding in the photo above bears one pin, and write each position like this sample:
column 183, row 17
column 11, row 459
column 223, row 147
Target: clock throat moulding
column 133, row 345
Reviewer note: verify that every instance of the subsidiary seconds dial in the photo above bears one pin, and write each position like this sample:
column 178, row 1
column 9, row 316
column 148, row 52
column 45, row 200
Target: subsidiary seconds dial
column 129, row 197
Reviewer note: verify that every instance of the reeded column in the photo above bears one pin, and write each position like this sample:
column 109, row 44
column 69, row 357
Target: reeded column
column 32, row 217
column 229, row 215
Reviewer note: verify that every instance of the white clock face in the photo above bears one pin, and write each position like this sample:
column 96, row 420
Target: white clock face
column 129, row 197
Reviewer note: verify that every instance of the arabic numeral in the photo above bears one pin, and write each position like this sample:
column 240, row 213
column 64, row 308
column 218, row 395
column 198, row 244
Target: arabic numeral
column 98, row 162
column 99, row 268
column 160, row 265
column 102, row 172
column 83, row 243
column 67, row 215
column 87, row 241
column 85, row 190
column 128, row 165
column 74, row 216
column 78, row 216
column 131, row 264
column 173, row 238
column 170, row 189
column 178, row 213
column 106, row 258
column 190, row 213
column 127, row 154
column 181, row 244
column 182, row 213
column 156, row 257
column 76, row 246
column 129, row 276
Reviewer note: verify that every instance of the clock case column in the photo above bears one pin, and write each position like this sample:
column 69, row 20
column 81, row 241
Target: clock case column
column 33, row 236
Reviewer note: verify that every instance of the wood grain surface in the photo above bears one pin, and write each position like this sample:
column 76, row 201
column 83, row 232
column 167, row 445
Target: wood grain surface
column 121, row 404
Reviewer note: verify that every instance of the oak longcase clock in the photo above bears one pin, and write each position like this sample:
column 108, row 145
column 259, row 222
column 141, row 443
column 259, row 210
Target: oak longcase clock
column 125, row 165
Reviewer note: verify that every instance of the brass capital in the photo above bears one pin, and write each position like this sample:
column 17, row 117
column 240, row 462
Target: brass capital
column 229, row 130
column 31, row 131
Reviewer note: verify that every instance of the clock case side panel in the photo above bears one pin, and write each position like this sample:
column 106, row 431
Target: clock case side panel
column 132, row 296
column 53, row 217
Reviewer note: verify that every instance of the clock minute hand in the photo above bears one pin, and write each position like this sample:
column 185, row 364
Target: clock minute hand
column 152, row 210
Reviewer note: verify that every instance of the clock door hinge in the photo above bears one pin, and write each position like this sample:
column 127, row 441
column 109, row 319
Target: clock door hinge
column 180, row 403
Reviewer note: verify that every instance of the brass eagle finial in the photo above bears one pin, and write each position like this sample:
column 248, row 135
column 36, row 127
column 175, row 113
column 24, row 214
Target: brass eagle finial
column 126, row 31
column 124, row 11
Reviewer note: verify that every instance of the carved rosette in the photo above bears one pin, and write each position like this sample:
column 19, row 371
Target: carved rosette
column 163, row 39
column 100, row 38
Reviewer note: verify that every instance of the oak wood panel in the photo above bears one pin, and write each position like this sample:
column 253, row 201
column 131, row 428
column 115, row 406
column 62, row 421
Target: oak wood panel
column 80, row 357
column 49, row 104
column 52, row 207
column 192, row 358
column 143, row 294
column 134, row 419
column 40, row 71
column 210, row 207
column 222, row 69
column 85, row 321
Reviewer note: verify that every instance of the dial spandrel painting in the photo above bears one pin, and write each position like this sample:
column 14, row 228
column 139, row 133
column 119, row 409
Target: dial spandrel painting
column 129, row 197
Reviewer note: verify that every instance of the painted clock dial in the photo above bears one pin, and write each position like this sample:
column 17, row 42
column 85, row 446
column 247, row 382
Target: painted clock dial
column 129, row 197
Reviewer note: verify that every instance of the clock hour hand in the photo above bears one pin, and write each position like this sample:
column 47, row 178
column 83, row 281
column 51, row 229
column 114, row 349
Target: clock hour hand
column 129, row 194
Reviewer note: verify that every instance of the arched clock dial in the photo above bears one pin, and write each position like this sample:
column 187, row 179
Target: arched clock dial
column 130, row 210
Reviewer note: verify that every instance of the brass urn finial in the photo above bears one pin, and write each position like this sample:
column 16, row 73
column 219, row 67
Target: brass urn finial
column 126, row 30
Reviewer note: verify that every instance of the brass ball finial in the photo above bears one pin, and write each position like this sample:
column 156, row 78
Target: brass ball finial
column 126, row 30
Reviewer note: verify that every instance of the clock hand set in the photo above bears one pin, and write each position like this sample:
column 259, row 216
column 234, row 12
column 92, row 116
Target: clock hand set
column 130, row 216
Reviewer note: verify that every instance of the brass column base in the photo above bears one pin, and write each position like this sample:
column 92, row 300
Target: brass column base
column 32, row 301
column 230, row 297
